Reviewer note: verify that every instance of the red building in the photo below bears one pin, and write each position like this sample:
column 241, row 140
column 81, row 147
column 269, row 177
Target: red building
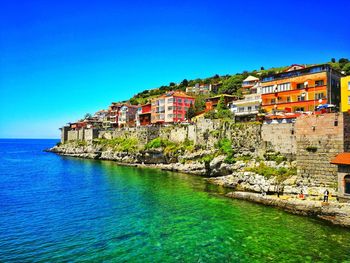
column 171, row 107
column 143, row 116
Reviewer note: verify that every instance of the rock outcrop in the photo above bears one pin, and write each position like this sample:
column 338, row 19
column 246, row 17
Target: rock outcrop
column 337, row 213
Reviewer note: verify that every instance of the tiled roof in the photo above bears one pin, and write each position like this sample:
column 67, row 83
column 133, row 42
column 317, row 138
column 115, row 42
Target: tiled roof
column 342, row 158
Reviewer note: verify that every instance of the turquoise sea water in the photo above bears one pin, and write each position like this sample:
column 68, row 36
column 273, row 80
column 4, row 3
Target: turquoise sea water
column 60, row 209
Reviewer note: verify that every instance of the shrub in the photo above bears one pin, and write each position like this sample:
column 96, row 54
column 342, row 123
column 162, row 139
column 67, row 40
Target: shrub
column 268, row 172
column 225, row 147
column 207, row 158
column 155, row 143
column 277, row 157
column 311, row 149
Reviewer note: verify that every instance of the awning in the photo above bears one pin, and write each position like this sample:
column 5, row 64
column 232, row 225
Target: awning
column 325, row 106
column 342, row 158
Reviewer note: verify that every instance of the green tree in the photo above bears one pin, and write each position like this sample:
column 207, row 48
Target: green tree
column 232, row 84
column 333, row 60
column 346, row 68
column 190, row 112
column 222, row 111
column 87, row 116
column 184, row 83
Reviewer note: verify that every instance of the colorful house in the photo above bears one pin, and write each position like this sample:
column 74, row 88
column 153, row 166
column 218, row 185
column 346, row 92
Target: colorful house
column 248, row 107
column 127, row 115
column 301, row 88
column 345, row 94
column 212, row 102
column 143, row 115
column 114, row 113
column 170, row 107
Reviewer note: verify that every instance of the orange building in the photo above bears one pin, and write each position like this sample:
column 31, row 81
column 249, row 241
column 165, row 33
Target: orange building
column 301, row 88
column 212, row 102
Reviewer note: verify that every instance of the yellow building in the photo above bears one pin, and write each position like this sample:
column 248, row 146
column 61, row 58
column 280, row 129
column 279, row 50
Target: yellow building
column 345, row 93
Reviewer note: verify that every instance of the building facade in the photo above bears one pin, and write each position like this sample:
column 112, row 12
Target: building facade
column 170, row 107
column 301, row 89
column 342, row 160
column 127, row 116
column 247, row 107
column 212, row 102
column 143, row 115
column 345, row 94
column 113, row 115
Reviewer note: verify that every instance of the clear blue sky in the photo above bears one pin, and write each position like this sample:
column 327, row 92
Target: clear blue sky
column 62, row 59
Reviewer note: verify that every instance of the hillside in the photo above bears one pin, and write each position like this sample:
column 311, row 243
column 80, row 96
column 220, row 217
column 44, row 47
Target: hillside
column 228, row 84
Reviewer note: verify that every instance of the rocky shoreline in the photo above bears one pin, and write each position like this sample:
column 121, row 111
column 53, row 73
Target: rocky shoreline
column 246, row 185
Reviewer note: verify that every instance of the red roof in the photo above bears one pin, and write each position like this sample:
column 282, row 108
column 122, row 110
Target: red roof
column 342, row 158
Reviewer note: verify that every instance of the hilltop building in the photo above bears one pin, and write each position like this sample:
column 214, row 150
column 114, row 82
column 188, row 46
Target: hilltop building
column 127, row 115
column 345, row 94
column 143, row 115
column 114, row 113
column 202, row 88
column 248, row 107
column 301, row 88
column 170, row 107
column 212, row 102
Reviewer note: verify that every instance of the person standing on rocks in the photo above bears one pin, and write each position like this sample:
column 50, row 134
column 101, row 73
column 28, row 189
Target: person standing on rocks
column 325, row 196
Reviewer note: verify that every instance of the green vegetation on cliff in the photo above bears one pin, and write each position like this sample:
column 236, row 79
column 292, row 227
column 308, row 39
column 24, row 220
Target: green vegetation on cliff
column 120, row 144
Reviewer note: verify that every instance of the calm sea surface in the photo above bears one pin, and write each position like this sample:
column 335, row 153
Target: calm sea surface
column 60, row 209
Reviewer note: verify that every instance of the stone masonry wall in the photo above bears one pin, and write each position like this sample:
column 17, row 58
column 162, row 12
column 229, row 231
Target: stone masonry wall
column 319, row 139
column 279, row 137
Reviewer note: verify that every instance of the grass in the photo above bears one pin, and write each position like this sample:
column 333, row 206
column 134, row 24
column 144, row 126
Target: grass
column 120, row 144
column 280, row 173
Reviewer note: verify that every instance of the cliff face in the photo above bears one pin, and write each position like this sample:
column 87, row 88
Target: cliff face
column 258, row 158
column 217, row 146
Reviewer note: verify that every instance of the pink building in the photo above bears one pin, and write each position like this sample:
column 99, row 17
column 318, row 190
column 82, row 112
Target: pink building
column 170, row 107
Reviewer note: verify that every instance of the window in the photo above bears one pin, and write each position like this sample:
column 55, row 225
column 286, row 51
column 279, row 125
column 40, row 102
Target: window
column 179, row 100
column 301, row 98
column 249, row 108
column 170, row 107
column 288, row 99
column 300, row 86
column 348, row 100
column 179, row 116
column 349, row 85
column 319, row 83
column 170, row 115
column 171, row 100
column 319, row 96
column 283, row 87
column 273, row 101
column 240, row 109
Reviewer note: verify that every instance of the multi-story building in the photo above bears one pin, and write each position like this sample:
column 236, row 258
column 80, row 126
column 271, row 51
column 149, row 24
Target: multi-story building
column 202, row 88
column 127, row 115
column 301, row 88
column 103, row 116
column 248, row 107
column 345, row 93
column 170, row 107
column 143, row 115
column 114, row 113
column 212, row 102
